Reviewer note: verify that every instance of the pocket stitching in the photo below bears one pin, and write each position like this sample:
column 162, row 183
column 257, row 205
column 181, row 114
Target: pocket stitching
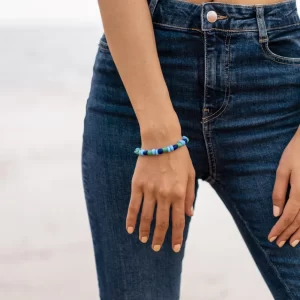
column 278, row 58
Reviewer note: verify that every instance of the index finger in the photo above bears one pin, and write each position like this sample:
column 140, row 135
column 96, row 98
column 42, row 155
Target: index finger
column 289, row 214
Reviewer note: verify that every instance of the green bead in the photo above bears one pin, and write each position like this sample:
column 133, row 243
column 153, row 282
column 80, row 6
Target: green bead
column 149, row 152
column 165, row 149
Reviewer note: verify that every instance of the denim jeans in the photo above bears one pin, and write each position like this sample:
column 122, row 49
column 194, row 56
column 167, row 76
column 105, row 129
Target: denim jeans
column 234, row 82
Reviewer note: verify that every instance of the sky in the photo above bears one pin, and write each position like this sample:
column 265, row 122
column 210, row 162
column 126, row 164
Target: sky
column 35, row 11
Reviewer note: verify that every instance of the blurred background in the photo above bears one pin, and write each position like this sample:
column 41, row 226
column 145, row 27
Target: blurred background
column 47, row 52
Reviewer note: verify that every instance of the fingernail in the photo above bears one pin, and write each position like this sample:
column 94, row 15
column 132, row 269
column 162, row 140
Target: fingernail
column 276, row 211
column 144, row 239
column 177, row 248
column 156, row 248
column 192, row 210
column 272, row 239
column 130, row 229
column 295, row 243
column 281, row 244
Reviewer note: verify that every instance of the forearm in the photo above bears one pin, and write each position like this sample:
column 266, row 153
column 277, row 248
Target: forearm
column 129, row 33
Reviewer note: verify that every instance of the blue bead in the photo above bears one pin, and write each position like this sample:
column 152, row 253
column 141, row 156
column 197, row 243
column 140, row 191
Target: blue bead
column 183, row 141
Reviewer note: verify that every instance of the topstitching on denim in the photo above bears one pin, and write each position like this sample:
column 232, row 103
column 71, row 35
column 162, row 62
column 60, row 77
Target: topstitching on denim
column 227, row 84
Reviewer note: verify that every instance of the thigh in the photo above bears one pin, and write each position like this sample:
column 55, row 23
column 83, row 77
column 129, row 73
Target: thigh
column 262, row 116
column 127, row 268
column 246, row 189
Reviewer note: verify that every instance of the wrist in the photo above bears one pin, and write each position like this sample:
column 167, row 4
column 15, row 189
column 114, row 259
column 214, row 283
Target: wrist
column 160, row 133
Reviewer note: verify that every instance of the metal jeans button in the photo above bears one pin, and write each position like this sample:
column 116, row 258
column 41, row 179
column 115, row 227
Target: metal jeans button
column 211, row 16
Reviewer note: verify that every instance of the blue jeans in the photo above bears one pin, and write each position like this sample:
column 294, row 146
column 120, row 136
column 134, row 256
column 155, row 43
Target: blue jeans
column 235, row 85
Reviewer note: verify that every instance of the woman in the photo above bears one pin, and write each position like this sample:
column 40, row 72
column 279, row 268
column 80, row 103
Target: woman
column 225, row 75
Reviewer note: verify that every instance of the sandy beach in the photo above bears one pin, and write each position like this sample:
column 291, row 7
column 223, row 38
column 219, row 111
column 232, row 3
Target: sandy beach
column 46, row 248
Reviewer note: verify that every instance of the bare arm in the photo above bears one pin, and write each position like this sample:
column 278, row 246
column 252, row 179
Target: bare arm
column 167, row 180
column 129, row 33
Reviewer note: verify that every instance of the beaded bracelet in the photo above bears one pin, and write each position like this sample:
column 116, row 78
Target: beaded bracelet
column 170, row 148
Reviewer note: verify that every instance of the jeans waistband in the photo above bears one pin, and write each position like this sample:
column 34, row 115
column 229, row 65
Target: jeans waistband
column 232, row 17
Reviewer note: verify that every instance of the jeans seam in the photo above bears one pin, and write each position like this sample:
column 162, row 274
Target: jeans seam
column 237, row 5
column 217, row 181
column 210, row 154
column 214, row 162
column 227, row 97
column 225, row 44
column 268, row 53
column 219, row 29
column 247, row 6
column 206, row 128
column 205, row 71
column 254, row 30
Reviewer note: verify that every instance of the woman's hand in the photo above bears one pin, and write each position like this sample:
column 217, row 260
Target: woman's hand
column 166, row 180
column 288, row 171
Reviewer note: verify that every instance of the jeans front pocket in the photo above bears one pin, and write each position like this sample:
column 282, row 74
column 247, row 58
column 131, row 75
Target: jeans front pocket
column 283, row 45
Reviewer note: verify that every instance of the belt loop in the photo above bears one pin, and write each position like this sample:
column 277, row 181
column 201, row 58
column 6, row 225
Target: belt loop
column 152, row 6
column 263, row 37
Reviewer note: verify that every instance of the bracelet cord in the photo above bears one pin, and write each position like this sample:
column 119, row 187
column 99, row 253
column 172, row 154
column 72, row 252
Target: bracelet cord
column 158, row 151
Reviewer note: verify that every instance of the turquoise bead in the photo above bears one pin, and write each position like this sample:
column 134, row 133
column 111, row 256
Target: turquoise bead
column 157, row 151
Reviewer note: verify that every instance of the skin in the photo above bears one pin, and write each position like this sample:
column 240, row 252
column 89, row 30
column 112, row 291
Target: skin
column 168, row 180
column 288, row 172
